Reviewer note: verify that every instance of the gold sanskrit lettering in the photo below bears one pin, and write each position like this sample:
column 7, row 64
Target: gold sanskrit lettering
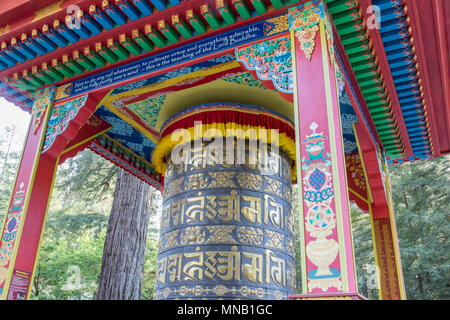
column 230, row 265
column 254, row 270
column 229, row 207
column 177, row 212
column 275, row 273
column 161, row 270
column 174, row 265
column 253, row 212
column 194, row 269
column 194, row 213
column 275, row 215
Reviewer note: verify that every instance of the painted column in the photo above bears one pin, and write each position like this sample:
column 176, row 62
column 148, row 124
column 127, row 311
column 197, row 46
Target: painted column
column 328, row 268
column 385, row 240
column 53, row 127
column 386, row 247
column 384, row 231
column 23, row 224
column 227, row 222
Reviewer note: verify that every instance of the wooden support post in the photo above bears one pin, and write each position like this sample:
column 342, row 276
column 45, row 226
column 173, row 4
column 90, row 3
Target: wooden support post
column 385, row 240
column 328, row 266
column 21, row 231
column 53, row 127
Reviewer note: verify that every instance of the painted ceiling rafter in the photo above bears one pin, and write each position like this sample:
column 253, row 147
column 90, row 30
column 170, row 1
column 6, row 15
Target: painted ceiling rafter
column 395, row 31
column 11, row 94
column 126, row 158
column 385, row 71
column 358, row 45
column 427, row 23
column 54, row 52
column 405, row 133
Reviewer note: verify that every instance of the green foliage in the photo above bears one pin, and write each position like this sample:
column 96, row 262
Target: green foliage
column 85, row 181
column 421, row 196
column 364, row 255
column 69, row 267
column 9, row 161
column 149, row 276
column 71, row 253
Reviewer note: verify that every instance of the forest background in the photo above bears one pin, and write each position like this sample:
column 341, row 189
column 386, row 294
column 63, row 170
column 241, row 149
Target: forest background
column 71, row 252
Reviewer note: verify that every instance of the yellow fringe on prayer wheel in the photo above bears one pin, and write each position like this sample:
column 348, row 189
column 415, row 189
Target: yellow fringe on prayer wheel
column 225, row 130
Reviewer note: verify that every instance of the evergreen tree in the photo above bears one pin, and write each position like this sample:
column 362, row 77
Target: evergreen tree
column 9, row 161
column 421, row 196
column 126, row 238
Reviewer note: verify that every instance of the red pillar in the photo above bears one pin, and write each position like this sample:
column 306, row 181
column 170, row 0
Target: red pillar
column 385, row 240
column 327, row 258
column 52, row 127
column 23, row 224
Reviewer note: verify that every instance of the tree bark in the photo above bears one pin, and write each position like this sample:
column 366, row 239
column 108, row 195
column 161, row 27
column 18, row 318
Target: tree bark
column 124, row 250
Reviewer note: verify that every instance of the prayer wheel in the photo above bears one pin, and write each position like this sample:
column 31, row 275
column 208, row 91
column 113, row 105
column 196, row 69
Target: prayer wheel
column 227, row 227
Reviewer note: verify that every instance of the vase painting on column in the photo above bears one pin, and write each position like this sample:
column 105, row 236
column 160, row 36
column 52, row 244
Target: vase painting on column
column 320, row 219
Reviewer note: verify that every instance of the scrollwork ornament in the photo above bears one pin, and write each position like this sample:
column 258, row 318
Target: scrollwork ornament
column 307, row 37
column 39, row 109
column 305, row 20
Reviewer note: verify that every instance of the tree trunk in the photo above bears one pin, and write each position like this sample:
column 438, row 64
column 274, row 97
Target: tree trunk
column 124, row 251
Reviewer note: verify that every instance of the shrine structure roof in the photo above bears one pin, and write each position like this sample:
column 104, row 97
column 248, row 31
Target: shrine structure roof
column 395, row 51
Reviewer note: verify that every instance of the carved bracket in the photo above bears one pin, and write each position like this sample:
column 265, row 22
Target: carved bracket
column 61, row 116
column 271, row 60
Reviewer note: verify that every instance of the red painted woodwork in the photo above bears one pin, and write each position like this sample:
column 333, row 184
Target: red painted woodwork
column 383, row 223
column 25, row 182
column 114, row 33
column 91, row 129
column 8, row 6
column 430, row 28
column 316, row 111
column 359, row 94
column 391, row 283
column 35, row 217
column 356, row 184
column 380, row 53
column 14, row 16
column 39, row 185
column 369, row 153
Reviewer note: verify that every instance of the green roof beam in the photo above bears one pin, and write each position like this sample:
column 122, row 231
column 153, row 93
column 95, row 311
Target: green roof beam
column 94, row 57
column 242, row 9
column 210, row 17
column 117, row 49
column 277, row 4
column 226, row 14
column 168, row 32
column 142, row 40
column 53, row 73
column 195, row 21
column 336, row 6
column 182, row 27
column 155, row 36
column 260, row 6
column 83, row 61
column 106, row 53
column 130, row 45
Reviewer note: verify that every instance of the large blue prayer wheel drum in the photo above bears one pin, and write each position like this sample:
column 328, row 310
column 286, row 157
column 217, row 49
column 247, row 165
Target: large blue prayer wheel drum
column 227, row 229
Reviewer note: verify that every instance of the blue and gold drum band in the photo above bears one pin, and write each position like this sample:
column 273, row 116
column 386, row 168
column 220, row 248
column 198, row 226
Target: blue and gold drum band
column 227, row 230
